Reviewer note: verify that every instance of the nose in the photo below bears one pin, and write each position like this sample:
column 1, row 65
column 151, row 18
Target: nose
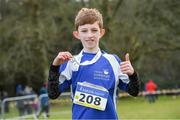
column 89, row 34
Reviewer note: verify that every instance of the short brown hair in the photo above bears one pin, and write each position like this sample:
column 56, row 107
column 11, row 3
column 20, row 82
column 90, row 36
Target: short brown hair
column 88, row 16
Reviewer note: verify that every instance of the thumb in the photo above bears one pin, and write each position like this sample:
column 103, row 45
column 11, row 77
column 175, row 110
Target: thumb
column 127, row 57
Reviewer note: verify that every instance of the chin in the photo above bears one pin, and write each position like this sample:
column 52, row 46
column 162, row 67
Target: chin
column 90, row 47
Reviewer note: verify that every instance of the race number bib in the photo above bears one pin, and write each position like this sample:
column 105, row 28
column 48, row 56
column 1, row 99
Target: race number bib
column 90, row 95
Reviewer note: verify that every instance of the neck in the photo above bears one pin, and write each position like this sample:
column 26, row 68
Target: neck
column 96, row 50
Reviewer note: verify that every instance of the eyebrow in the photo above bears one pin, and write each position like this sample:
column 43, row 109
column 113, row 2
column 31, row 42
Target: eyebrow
column 87, row 28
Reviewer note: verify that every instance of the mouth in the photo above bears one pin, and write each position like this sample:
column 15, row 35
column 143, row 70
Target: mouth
column 89, row 40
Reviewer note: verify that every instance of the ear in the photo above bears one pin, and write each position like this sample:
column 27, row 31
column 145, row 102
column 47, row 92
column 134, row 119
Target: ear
column 102, row 32
column 76, row 34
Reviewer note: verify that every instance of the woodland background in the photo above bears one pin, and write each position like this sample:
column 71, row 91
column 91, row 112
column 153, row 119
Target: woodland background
column 32, row 32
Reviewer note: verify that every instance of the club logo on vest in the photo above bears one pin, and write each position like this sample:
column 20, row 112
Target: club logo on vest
column 102, row 75
column 106, row 71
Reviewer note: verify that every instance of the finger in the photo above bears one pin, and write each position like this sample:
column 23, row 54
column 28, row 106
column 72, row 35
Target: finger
column 125, row 66
column 124, row 63
column 124, row 69
column 69, row 55
column 125, row 72
column 61, row 57
column 66, row 55
column 127, row 57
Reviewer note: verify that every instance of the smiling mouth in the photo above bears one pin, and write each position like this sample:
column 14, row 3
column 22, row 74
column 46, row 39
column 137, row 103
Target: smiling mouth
column 89, row 40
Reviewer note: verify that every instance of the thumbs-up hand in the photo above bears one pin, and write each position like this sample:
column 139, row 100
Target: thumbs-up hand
column 126, row 66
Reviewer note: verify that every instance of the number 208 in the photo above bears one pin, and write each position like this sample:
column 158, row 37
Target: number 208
column 90, row 99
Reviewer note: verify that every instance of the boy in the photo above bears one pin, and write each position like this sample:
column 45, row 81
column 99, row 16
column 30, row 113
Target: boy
column 94, row 75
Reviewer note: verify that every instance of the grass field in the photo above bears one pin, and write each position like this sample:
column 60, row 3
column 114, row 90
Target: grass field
column 166, row 107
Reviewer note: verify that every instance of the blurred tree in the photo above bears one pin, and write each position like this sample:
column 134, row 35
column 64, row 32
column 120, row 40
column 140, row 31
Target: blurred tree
column 32, row 32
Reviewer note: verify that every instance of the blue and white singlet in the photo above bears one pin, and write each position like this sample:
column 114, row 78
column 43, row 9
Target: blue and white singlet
column 94, row 79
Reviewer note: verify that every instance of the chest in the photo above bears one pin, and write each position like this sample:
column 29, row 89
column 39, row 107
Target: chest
column 99, row 73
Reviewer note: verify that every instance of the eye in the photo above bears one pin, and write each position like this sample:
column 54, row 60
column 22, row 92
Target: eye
column 84, row 31
column 94, row 30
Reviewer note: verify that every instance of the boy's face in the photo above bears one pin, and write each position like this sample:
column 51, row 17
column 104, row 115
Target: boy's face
column 89, row 34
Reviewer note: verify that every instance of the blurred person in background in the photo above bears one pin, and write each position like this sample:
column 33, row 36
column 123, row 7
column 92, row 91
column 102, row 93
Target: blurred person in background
column 4, row 95
column 28, row 90
column 20, row 103
column 44, row 102
column 151, row 88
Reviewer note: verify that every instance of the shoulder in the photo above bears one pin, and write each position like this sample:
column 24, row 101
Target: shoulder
column 111, row 56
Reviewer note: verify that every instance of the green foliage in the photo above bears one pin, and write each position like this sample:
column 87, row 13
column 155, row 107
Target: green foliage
column 32, row 32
